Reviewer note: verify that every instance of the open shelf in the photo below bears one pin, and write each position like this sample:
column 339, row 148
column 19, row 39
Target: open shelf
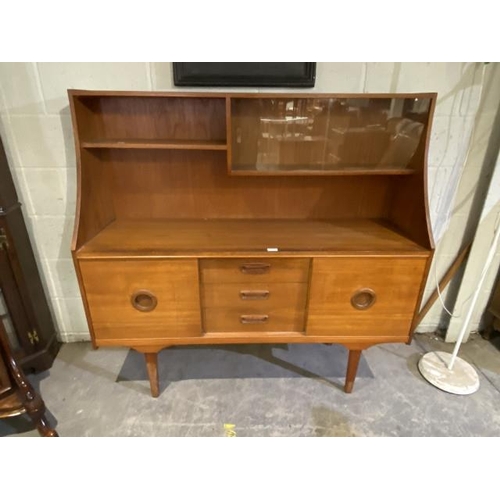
column 199, row 145
column 181, row 237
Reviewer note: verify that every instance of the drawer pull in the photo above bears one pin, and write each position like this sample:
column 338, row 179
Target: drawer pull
column 250, row 319
column 255, row 268
column 144, row 300
column 363, row 299
column 254, row 294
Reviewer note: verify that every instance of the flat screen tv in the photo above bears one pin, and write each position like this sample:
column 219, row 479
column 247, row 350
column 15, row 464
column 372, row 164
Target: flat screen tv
column 245, row 74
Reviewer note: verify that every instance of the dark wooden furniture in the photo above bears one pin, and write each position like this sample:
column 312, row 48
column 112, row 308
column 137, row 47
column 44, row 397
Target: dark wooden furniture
column 211, row 218
column 17, row 396
column 24, row 311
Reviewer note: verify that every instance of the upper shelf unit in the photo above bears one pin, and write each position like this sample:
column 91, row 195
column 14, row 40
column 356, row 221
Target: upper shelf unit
column 265, row 134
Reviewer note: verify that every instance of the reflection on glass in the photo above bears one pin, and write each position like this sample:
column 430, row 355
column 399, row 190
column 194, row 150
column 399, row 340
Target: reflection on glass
column 287, row 134
column 7, row 323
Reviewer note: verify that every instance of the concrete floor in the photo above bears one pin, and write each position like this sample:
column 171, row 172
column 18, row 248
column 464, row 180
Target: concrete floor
column 264, row 390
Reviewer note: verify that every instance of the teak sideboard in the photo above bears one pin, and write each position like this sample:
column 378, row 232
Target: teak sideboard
column 216, row 218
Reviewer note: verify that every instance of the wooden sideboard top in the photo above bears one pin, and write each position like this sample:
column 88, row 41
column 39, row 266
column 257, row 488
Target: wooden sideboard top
column 181, row 237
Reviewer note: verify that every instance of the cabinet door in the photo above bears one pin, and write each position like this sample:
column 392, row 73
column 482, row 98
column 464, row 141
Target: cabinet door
column 12, row 310
column 5, row 383
column 364, row 296
column 142, row 299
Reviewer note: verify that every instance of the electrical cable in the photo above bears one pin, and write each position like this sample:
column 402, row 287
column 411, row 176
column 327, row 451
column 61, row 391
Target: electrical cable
column 471, row 140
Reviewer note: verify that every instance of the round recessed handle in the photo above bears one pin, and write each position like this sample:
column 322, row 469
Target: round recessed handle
column 363, row 299
column 144, row 300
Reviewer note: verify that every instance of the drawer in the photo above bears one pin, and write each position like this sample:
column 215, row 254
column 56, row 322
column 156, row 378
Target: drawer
column 123, row 332
column 363, row 296
column 255, row 295
column 277, row 270
column 245, row 319
column 142, row 298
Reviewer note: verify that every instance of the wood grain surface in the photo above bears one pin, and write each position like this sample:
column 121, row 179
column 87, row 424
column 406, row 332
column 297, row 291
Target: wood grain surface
column 110, row 286
column 395, row 282
column 229, row 236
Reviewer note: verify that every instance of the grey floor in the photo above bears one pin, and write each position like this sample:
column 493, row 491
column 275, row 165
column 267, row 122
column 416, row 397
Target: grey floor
column 264, row 390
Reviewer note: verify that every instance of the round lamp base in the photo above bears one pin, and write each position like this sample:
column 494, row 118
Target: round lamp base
column 462, row 379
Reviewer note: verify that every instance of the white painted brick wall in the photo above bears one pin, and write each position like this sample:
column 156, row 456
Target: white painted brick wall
column 36, row 130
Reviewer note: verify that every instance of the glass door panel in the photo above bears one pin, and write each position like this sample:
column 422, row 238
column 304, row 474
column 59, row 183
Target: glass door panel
column 7, row 324
column 308, row 135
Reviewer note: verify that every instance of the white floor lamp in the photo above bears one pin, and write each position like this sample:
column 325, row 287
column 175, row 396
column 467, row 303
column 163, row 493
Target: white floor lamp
column 447, row 371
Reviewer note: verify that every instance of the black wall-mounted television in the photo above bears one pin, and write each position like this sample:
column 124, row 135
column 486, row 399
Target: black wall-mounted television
column 245, row 74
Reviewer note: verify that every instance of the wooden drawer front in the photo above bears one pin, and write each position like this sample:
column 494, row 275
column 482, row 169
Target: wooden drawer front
column 284, row 270
column 254, row 307
column 256, row 296
column 167, row 302
column 245, row 319
column 395, row 283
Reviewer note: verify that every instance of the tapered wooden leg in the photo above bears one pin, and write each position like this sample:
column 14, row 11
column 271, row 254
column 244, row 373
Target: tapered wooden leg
column 352, row 368
column 44, row 428
column 152, row 366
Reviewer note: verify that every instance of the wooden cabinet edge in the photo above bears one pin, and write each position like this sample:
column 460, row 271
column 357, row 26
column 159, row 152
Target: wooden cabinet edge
column 271, row 339
column 81, row 255
column 86, row 307
column 72, row 93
